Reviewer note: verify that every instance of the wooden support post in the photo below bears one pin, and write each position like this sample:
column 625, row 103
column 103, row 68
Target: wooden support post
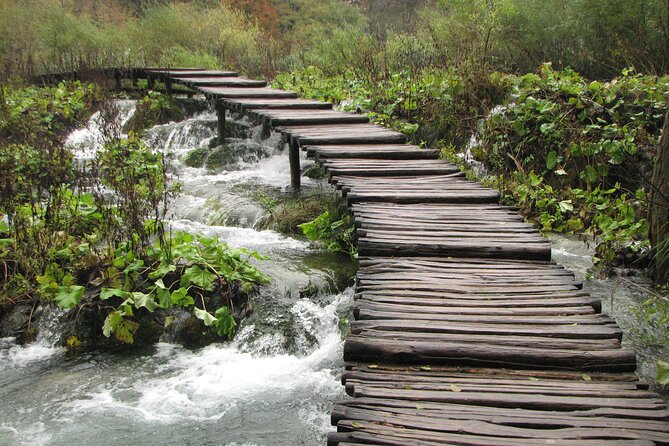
column 117, row 79
column 168, row 85
column 294, row 160
column 151, row 82
column 266, row 129
column 220, row 128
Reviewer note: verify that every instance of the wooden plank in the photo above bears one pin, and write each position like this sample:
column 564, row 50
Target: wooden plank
column 531, row 419
column 247, row 104
column 232, row 92
column 359, row 347
column 491, row 428
column 568, row 331
column 218, row 81
column 373, row 151
column 361, row 308
column 342, row 134
column 528, row 401
column 377, row 433
column 489, row 249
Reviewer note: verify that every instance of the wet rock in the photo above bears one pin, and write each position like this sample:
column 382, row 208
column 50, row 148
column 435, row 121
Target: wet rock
column 15, row 321
column 227, row 156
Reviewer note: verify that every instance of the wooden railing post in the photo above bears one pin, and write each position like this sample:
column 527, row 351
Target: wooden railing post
column 220, row 127
column 117, row 79
column 168, row 85
column 294, row 160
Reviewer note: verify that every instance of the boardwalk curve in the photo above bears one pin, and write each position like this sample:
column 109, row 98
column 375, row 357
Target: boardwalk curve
column 465, row 332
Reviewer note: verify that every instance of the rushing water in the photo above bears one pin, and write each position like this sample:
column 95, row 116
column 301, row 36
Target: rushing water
column 273, row 385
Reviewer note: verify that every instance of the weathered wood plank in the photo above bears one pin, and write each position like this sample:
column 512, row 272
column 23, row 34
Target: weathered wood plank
column 232, row 92
column 218, row 81
column 359, row 347
column 247, row 104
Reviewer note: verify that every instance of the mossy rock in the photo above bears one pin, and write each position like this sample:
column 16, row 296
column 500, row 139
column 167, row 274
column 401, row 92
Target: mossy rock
column 196, row 157
column 153, row 110
column 235, row 129
column 314, row 171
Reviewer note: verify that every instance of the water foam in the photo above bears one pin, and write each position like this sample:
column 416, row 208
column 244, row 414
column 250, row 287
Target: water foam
column 206, row 384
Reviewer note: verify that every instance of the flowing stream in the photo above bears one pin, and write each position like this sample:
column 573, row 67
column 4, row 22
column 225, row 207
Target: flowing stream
column 274, row 384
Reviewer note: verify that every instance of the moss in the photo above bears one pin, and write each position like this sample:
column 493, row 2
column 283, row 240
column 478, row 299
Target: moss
column 288, row 210
column 153, row 110
column 196, row 157
column 314, row 171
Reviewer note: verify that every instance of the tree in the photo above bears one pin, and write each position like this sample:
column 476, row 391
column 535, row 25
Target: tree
column 658, row 210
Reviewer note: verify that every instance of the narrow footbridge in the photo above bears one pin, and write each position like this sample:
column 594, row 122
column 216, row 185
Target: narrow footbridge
column 465, row 332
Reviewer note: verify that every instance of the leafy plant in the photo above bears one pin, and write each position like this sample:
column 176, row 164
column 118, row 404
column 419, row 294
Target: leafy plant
column 191, row 271
column 335, row 235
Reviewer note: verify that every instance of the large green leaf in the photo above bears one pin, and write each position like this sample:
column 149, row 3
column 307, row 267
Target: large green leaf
column 205, row 316
column 68, row 297
column 144, row 300
column 225, row 323
column 181, row 298
column 106, row 293
column 123, row 329
column 162, row 270
column 112, row 321
column 199, row 277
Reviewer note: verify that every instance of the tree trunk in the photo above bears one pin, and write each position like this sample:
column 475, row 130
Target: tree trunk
column 658, row 210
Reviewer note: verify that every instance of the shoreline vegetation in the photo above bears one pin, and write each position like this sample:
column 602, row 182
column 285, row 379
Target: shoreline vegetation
column 560, row 104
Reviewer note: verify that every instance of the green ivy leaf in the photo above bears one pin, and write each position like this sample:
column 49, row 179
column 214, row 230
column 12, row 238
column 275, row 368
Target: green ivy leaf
column 112, row 321
column 551, row 159
column 204, row 316
column 164, row 298
column 68, row 297
column 125, row 331
column 181, row 298
column 144, row 300
column 225, row 324
column 162, row 270
column 106, row 293
column 199, row 277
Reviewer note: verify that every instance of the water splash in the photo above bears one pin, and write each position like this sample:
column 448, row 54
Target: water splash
column 86, row 142
column 45, row 346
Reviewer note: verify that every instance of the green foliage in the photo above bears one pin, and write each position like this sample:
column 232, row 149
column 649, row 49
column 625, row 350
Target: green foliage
column 138, row 176
column 188, row 271
column 337, row 235
column 42, row 220
column 653, row 314
column 662, row 373
column 102, row 243
column 153, row 109
column 566, row 151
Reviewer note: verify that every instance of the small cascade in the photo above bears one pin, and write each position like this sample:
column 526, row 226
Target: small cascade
column 467, row 156
column 46, row 345
column 87, row 141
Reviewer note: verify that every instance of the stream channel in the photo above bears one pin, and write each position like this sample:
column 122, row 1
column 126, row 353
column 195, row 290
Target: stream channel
column 274, row 384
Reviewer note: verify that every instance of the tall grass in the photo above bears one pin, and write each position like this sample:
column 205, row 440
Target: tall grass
column 41, row 36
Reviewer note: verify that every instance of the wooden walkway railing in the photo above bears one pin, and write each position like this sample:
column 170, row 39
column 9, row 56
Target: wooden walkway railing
column 465, row 332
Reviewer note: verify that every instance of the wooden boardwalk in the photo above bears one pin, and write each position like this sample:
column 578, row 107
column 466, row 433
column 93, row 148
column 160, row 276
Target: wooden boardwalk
column 465, row 332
